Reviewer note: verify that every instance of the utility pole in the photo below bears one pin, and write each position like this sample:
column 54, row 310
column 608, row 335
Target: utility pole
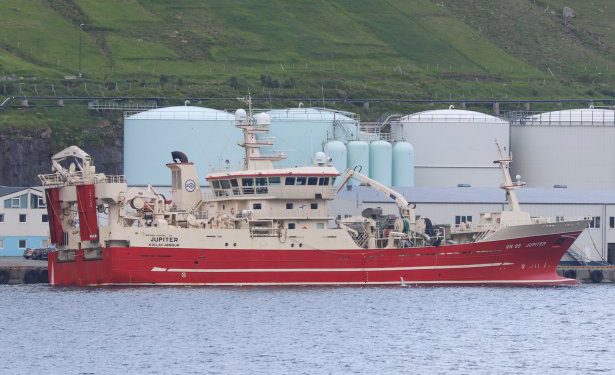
column 81, row 26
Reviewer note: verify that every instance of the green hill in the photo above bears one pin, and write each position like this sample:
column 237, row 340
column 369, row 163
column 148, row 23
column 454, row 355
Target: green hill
column 348, row 48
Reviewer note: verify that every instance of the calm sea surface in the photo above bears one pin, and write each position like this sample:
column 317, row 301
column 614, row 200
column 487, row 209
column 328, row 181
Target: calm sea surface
column 303, row 330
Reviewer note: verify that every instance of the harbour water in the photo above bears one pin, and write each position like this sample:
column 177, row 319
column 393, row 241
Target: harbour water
column 304, row 330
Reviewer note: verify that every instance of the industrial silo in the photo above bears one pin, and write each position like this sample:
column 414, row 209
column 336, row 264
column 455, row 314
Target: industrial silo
column 572, row 148
column 403, row 164
column 208, row 137
column 336, row 150
column 454, row 147
column 358, row 158
column 301, row 132
column 380, row 162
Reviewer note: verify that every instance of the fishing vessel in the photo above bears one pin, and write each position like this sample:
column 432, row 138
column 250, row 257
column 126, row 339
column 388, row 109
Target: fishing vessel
column 263, row 225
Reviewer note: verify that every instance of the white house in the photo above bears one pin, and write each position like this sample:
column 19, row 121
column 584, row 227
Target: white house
column 23, row 220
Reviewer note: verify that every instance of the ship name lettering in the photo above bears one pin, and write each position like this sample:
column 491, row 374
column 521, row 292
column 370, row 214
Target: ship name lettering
column 536, row 244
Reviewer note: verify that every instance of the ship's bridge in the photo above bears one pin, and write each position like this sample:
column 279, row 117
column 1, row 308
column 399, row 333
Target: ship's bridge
column 289, row 183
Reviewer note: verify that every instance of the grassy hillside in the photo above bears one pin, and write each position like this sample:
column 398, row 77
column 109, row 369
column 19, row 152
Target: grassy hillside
column 356, row 48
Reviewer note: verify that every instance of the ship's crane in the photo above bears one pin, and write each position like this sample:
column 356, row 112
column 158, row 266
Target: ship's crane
column 406, row 209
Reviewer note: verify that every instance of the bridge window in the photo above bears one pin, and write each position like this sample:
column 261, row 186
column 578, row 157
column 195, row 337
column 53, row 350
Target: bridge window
column 290, row 180
column 247, row 184
column 323, row 181
column 234, row 182
column 301, row 181
column 459, row 219
column 225, row 184
column 312, row 180
column 274, row 180
column 215, row 184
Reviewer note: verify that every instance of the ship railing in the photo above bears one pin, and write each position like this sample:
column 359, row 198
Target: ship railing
column 51, row 179
column 115, row 179
column 76, row 178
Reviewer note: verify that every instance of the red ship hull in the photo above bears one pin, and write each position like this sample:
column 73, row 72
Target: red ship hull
column 523, row 261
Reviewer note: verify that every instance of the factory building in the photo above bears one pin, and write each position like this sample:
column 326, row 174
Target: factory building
column 453, row 147
column 458, row 205
column 573, row 148
column 23, row 220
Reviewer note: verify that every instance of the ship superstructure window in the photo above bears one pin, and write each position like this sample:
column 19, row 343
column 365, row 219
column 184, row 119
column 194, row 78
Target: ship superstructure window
column 45, row 218
column 247, row 184
column 225, row 184
column 1, row 218
column 289, row 206
column 323, row 181
column 320, row 225
column 215, row 184
column 312, row 181
column 274, row 181
column 45, row 243
column 257, row 206
column 291, row 225
column 459, row 219
column 23, row 218
column 22, row 244
column 559, row 219
column 595, row 223
column 314, row 206
column 289, row 181
column 1, row 243
column 612, row 222
column 301, row 181
column 261, row 185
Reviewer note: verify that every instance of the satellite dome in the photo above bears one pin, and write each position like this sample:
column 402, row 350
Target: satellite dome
column 262, row 119
column 240, row 115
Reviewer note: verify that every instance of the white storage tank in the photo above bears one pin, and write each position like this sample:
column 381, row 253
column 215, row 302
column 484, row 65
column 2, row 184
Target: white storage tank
column 380, row 162
column 358, row 158
column 301, row 132
column 455, row 147
column 572, row 148
column 403, row 164
column 336, row 150
column 207, row 136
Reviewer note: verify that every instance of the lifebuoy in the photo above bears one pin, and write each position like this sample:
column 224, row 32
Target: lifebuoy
column 570, row 274
column 4, row 276
column 597, row 276
column 30, row 277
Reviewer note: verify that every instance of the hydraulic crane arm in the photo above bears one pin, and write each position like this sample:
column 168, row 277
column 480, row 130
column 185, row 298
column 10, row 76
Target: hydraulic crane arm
column 406, row 208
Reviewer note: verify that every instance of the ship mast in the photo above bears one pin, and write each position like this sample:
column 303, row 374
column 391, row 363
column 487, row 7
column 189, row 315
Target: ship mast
column 252, row 125
column 509, row 185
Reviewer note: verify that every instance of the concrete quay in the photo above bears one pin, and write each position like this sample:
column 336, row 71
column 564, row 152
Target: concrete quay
column 18, row 270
